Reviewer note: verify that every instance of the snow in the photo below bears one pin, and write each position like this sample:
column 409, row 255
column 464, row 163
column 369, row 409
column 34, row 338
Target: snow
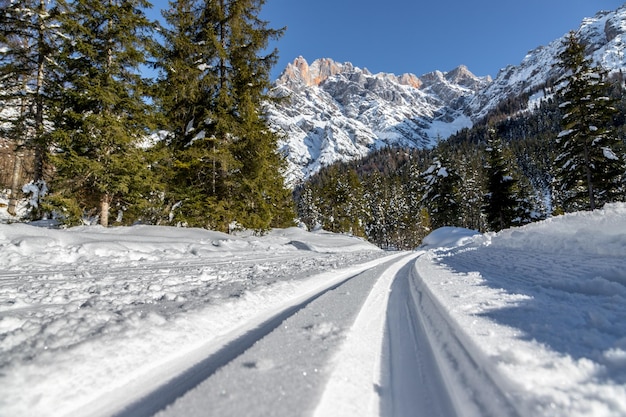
column 541, row 307
column 448, row 237
column 564, row 133
column 609, row 154
column 528, row 321
column 88, row 312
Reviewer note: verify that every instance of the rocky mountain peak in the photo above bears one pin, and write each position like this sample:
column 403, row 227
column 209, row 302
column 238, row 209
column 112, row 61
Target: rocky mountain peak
column 410, row 80
column 462, row 76
column 300, row 72
column 338, row 111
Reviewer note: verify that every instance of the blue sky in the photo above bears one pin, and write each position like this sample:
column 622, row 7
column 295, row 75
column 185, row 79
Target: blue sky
column 420, row 36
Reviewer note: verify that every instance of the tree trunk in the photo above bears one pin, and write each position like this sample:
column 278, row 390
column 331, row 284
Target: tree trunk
column 105, row 206
column 15, row 183
column 592, row 200
column 16, row 178
column 40, row 149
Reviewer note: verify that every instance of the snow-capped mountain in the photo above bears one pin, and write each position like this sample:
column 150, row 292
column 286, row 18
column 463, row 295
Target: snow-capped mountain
column 335, row 111
column 604, row 37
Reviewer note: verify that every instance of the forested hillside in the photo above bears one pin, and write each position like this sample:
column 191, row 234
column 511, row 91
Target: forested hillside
column 504, row 171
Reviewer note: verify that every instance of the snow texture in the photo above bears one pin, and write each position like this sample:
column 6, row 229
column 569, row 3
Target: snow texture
column 529, row 321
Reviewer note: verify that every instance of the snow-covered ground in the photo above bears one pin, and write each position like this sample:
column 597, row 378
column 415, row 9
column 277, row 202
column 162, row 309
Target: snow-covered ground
column 541, row 309
column 530, row 321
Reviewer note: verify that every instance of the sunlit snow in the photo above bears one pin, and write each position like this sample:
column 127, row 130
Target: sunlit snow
column 90, row 316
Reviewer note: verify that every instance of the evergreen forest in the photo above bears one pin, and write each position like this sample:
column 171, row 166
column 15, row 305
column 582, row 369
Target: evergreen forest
column 512, row 168
column 87, row 137
column 98, row 140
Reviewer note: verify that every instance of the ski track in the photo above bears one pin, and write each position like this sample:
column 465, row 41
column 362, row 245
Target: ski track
column 378, row 316
column 55, row 312
column 296, row 350
column 153, row 390
column 414, row 358
column 236, row 379
column 412, row 378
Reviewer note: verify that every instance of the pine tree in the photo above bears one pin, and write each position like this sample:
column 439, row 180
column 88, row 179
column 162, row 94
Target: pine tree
column 226, row 158
column 308, row 212
column 440, row 189
column 590, row 165
column 186, row 94
column 103, row 113
column 377, row 191
column 469, row 164
column 501, row 204
column 342, row 202
column 26, row 37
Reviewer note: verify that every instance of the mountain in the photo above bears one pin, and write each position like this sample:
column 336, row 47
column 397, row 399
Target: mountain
column 604, row 37
column 333, row 111
column 330, row 111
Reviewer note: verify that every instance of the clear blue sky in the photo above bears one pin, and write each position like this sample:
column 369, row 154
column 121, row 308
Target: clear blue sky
column 419, row 36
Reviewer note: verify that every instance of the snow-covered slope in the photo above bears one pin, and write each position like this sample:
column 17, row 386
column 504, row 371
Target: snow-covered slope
column 604, row 36
column 336, row 111
column 333, row 111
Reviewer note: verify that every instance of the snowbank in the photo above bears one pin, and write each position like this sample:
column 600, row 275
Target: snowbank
column 447, row 237
column 540, row 308
column 25, row 246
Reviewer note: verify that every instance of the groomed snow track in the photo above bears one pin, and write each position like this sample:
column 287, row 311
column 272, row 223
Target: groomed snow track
column 467, row 378
column 422, row 364
column 178, row 386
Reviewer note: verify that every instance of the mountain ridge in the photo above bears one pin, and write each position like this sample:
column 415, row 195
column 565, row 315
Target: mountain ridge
column 338, row 112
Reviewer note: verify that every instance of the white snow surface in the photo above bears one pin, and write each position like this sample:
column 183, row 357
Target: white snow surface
column 90, row 317
column 541, row 309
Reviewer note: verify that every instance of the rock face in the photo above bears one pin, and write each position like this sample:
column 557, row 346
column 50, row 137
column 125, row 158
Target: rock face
column 334, row 111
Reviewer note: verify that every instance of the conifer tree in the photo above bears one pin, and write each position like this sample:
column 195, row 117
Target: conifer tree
column 469, row 164
column 26, row 38
column 308, row 211
column 590, row 164
column 440, row 189
column 500, row 202
column 103, row 114
column 342, row 202
column 377, row 197
column 226, row 158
